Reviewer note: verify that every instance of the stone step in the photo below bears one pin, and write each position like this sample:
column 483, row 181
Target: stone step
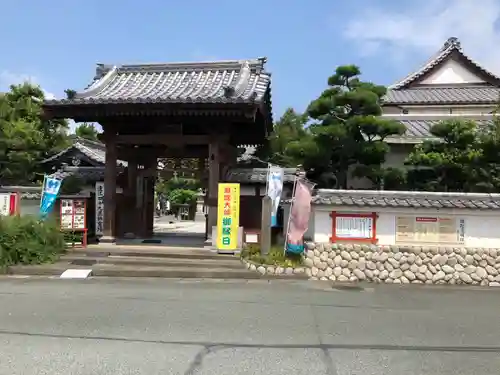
column 173, row 272
column 55, row 269
column 110, row 270
column 151, row 252
column 120, row 270
column 76, row 259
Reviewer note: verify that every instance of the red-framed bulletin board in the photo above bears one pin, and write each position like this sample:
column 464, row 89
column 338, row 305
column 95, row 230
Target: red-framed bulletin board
column 10, row 204
column 73, row 213
column 347, row 227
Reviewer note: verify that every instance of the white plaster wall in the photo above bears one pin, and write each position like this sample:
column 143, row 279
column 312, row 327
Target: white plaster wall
column 451, row 71
column 29, row 207
column 482, row 231
column 395, row 158
column 397, row 155
column 391, row 110
column 481, row 228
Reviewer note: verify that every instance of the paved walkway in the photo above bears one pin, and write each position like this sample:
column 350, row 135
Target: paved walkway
column 220, row 327
column 171, row 232
column 168, row 224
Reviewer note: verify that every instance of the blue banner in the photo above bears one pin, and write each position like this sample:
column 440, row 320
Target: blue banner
column 51, row 187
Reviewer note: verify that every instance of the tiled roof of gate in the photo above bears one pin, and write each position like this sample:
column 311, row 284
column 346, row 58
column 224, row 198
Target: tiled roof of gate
column 444, row 95
column 26, row 192
column 257, row 175
column 407, row 199
column 232, row 81
column 94, row 150
column 86, row 173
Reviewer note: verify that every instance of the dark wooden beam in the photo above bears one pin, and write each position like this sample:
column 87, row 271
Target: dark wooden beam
column 162, row 139
column 94, row 112
column 168, row 172
column 130, row 152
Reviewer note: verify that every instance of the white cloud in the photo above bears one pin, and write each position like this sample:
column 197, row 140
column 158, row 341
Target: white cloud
column 48, row 95
column 422, row 28
column 8, row 78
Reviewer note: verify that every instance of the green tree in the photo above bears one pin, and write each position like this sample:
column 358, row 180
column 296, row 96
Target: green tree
column 348, row 132
column 87, row 131
column 182, row 196
column 453, row 162
column 26, row 137
column 488, row 169
column 289, row 142
column 166, row 186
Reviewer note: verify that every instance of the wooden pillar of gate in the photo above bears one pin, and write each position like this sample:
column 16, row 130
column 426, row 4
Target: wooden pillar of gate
column 213, row 182
column 110, row 172
column 133, row 216
column 147, row 202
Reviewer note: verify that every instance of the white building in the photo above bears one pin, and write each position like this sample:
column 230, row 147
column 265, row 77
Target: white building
column 403, row 237
column 404, row 218
column 450, row 84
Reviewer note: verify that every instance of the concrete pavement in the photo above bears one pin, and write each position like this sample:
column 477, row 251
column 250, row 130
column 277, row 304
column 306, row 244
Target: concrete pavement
column 148, row 326
column 169, row 224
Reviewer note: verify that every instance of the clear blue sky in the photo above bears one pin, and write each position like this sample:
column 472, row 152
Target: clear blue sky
column 58, row 43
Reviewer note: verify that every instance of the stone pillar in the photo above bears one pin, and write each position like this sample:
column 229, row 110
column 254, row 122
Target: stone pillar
column 213, row 181
column 110, row 172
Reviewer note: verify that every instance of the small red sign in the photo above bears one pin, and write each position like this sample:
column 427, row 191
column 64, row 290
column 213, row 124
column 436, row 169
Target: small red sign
column 427, row 219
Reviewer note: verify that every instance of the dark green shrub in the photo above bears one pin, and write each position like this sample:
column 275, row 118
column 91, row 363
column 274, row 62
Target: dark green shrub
column 26, row 240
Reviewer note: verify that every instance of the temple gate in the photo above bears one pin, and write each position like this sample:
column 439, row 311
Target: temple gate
column 201, row 111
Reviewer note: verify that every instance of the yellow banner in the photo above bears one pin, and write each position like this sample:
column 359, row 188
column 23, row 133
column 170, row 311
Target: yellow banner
column 228, row 216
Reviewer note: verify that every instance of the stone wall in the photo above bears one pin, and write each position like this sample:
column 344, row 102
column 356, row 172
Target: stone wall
column 403, row 264
column 273, row 270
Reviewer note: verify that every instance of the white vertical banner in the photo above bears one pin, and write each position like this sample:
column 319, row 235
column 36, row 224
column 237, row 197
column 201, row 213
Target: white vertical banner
column 274, row 187
column 99, row 208
column 4, row 204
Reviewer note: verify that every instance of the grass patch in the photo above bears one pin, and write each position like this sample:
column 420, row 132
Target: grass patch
column 27, row 240
column 276, row 256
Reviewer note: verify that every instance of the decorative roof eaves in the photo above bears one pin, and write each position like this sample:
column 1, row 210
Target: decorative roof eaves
column 56, row 156
column 450, row 46
column 85, row 147
column 98, row 84
column 195, row 101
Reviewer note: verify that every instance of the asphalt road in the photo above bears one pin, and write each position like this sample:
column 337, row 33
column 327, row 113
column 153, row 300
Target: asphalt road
column 113, row 326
